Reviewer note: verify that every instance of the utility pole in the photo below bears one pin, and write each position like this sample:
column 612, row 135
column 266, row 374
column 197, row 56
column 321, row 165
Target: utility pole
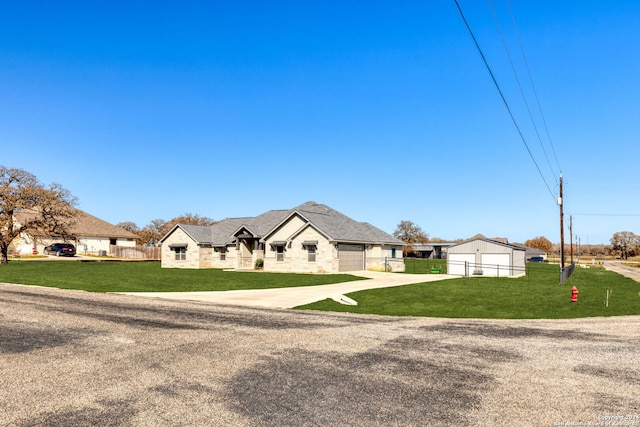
column 579, row 249
column 561, row 226
column 571, row 236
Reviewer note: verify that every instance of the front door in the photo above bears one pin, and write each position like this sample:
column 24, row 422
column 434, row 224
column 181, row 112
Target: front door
column 245, row 254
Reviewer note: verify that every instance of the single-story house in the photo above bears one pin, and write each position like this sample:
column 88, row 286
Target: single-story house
column 486, row 257
column 310, row 238
column 93, row 236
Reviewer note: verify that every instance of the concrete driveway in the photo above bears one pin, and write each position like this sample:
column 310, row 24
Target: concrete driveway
column 293, row 297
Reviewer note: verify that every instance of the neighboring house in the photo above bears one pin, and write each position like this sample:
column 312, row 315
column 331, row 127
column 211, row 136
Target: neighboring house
column 485, row 257
column 93, row 236
column 311, row 238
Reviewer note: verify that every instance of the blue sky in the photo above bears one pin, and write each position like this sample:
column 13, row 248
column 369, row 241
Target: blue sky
column 148, row 110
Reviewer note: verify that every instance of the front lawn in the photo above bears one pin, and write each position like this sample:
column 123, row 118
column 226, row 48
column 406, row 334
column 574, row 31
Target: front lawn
column 149, row 277
column 536, row 296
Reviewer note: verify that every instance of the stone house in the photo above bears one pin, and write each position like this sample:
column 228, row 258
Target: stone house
column 310, row 238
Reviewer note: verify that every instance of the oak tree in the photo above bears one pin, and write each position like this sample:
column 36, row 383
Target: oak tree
column 411, row 234
column 625, row 243
column 541, row 243
column 27, row 207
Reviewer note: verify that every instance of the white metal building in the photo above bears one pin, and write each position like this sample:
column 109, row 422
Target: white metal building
column 485, row 257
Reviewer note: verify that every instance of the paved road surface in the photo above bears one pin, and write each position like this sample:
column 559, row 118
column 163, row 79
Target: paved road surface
column 620, row 268
column 71, row 358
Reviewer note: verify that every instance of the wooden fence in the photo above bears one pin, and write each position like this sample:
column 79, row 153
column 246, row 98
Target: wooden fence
column 139, row 252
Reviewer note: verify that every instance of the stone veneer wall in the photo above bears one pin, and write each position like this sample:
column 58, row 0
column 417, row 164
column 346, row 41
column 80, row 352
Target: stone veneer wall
column 169, row 255
column 296, row 256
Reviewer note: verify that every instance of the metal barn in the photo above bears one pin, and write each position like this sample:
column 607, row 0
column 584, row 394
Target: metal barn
column 485, row 257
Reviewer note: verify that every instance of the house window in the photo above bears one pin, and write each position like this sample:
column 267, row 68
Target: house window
column 311, row 253
column 280, row 253
column 181, row 254
column 393, row 252
column 223, row 255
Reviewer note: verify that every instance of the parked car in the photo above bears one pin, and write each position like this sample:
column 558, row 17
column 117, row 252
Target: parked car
column 60, row 249
column 535, row 259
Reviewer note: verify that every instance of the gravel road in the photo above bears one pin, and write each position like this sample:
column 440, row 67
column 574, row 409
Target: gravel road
column 71, row 358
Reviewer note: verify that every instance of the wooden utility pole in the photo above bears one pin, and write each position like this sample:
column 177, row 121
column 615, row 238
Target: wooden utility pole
column 561, row 226
column 571, row 236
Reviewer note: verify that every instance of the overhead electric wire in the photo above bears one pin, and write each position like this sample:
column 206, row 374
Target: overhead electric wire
column 504, row 100
column 533, row 86
column 524, row 97
column 603, row 214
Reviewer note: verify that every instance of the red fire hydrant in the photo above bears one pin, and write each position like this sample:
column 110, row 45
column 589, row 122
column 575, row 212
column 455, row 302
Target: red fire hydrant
column 35, row 251
column 574, row 294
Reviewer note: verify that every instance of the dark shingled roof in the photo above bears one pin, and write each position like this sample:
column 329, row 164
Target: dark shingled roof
column 339, row 227
column 335, row 225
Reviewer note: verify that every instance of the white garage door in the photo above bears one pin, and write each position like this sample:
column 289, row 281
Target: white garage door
column 496, row 265
column 351, row 257
column 461, row 264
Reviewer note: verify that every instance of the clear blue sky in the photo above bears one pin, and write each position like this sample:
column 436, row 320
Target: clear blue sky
column 385, row 112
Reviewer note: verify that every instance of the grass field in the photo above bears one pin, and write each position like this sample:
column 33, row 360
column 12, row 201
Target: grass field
column 425, row 266
column 536, row 296
column 149, row 277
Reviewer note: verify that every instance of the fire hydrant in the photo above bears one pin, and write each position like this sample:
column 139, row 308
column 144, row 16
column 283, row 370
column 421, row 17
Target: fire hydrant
column 574, row 294
column 35, row 251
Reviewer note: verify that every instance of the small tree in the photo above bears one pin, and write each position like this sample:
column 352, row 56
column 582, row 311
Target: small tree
column 541, row 243
column 625, row 243
column 153, row 232
column 129, row 226
column 27, row 206
column 411, row 234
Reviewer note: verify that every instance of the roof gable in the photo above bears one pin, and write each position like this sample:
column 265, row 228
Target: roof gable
column 337, row 226
column 493, row 241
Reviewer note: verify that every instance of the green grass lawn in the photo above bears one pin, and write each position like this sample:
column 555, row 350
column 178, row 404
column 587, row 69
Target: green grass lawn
column 425, row 266
column 536, row 296
column 149, row 277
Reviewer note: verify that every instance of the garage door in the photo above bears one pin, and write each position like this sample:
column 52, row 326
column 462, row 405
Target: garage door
column 351, row 257
column 496, row 265
column 461, row 264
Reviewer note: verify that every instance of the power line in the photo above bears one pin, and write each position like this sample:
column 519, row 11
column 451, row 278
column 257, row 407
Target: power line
column 515, row 74
column 603, row 214
column 533, row 86
column 506, row 104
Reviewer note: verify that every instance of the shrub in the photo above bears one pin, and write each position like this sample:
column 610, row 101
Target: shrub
column 259, row 263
